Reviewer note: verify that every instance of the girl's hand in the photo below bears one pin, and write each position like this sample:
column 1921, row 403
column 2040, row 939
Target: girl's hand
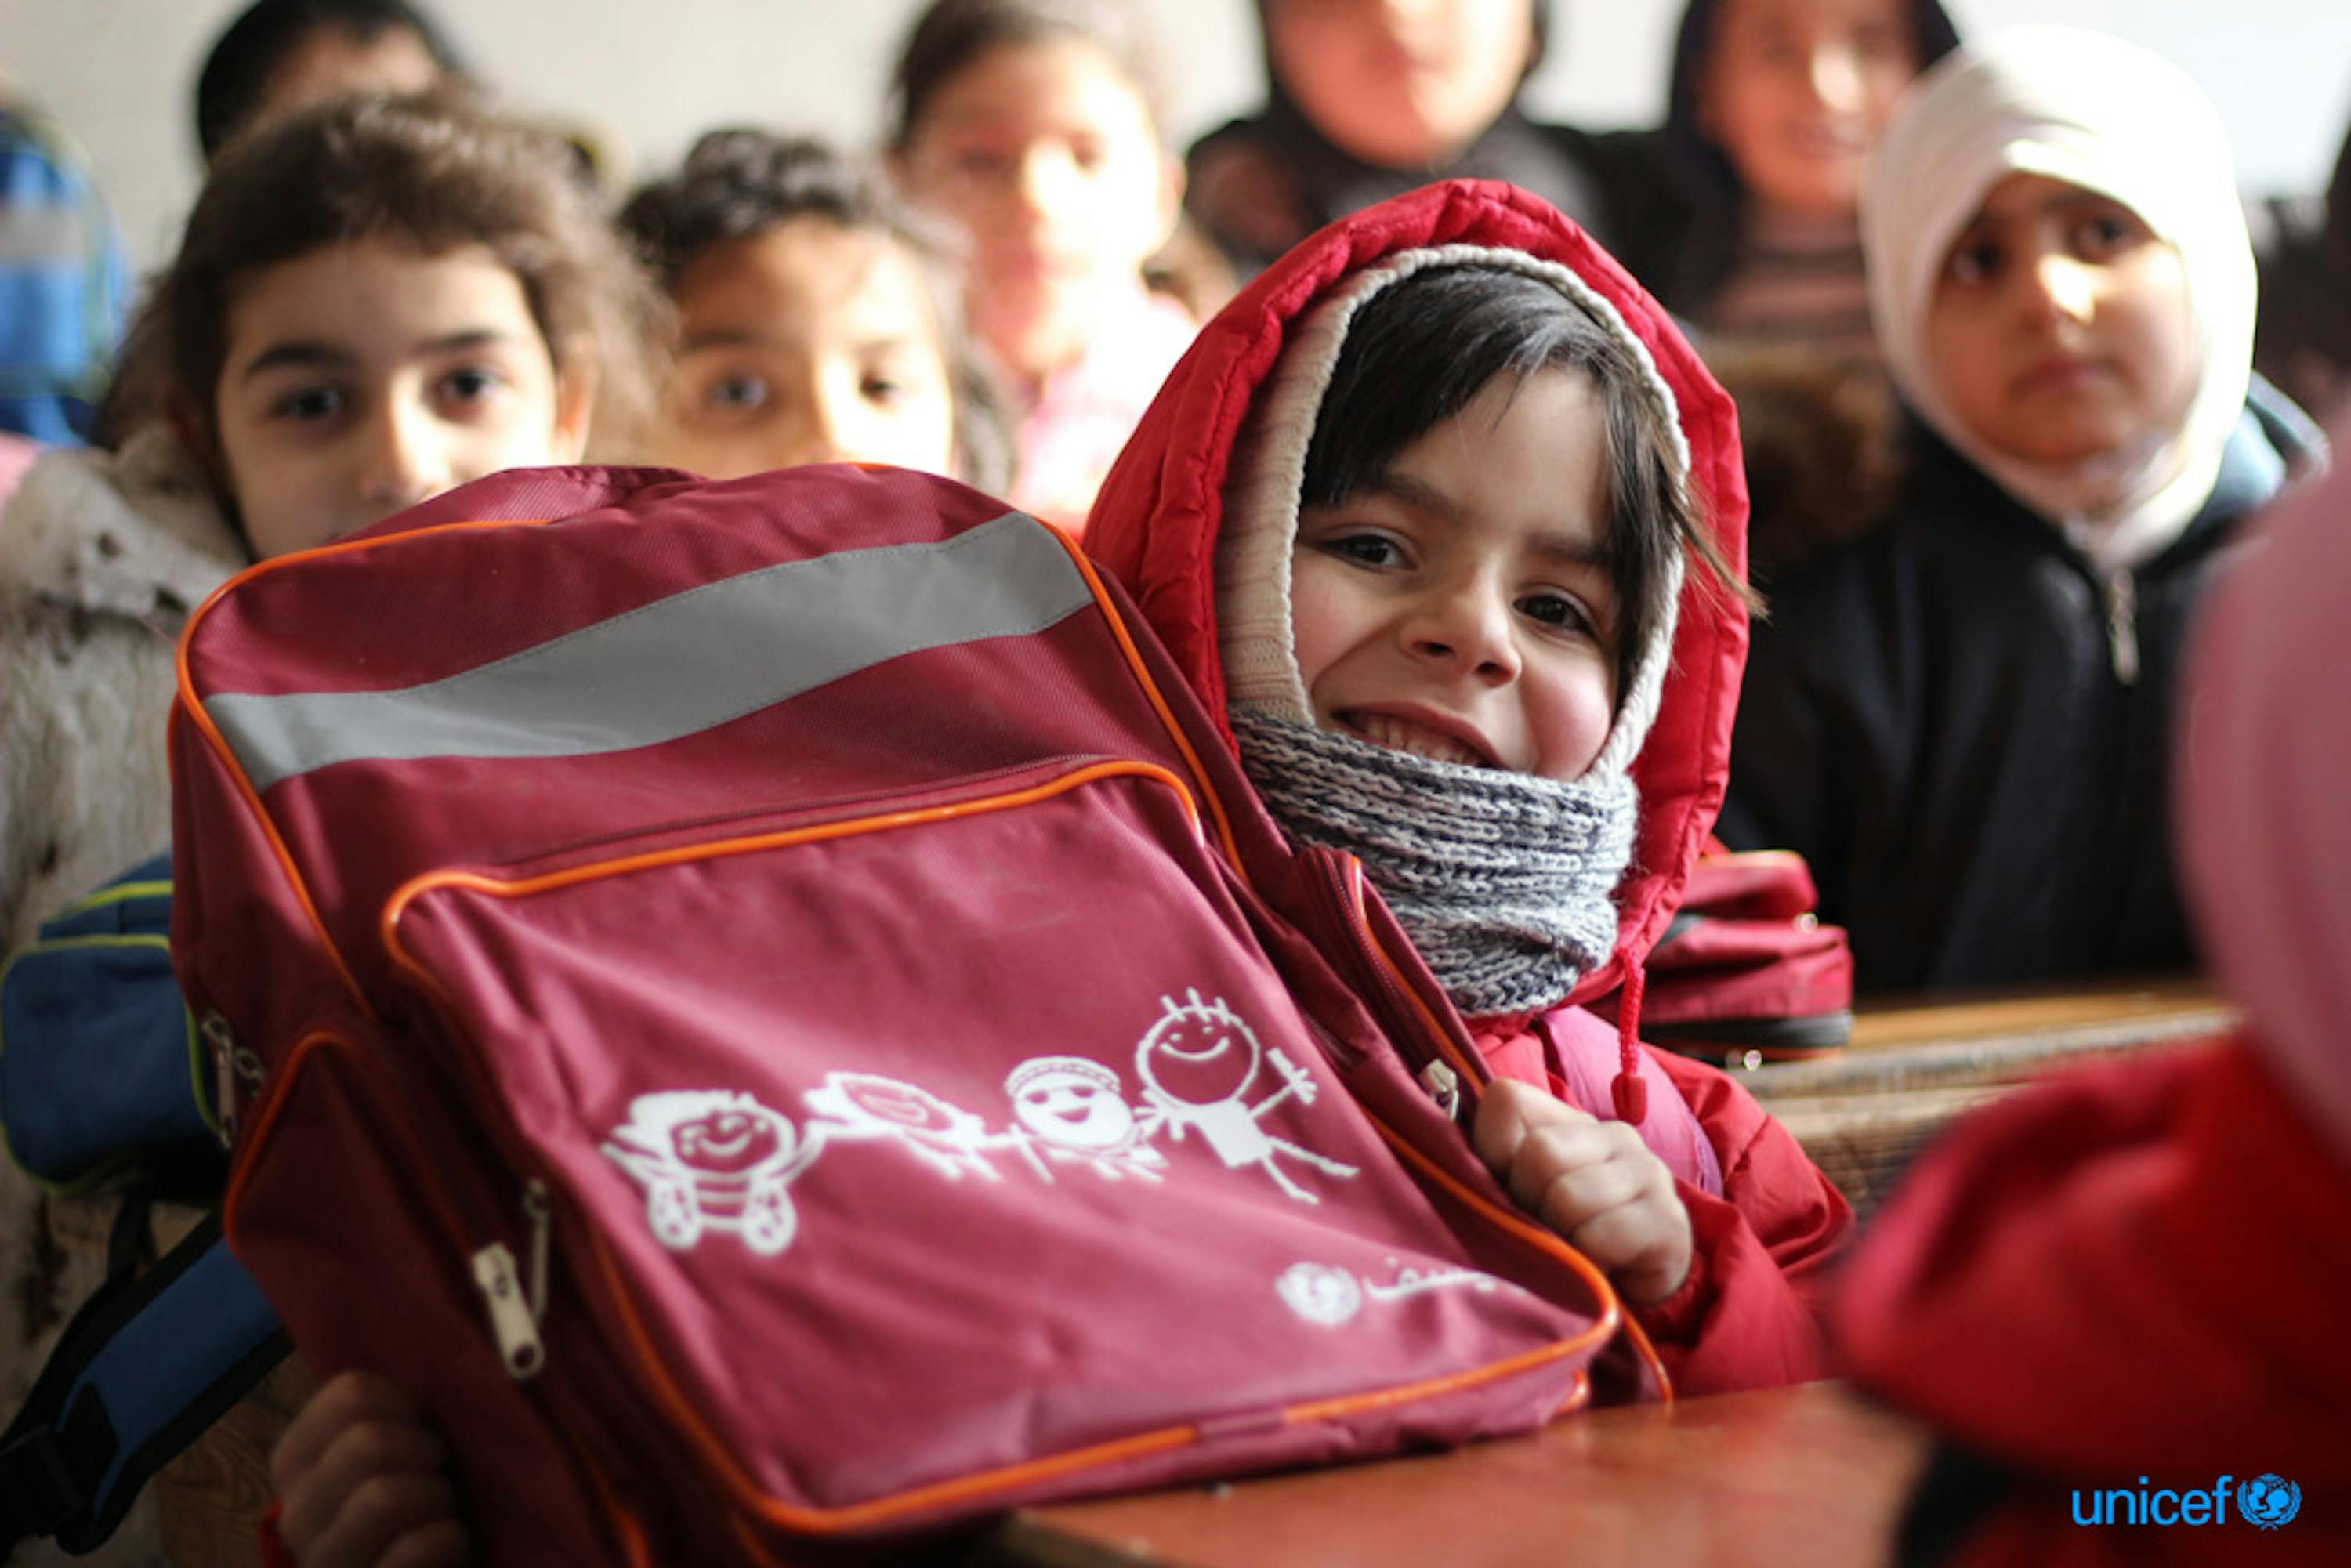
column 364, row 1481
column 1594, row 1182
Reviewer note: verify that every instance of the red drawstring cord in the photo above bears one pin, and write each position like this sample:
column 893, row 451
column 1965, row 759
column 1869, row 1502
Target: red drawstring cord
column 1630, row 1091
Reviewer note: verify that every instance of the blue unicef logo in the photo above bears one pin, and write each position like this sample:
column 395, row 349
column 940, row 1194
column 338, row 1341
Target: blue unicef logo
column 2270, row 1502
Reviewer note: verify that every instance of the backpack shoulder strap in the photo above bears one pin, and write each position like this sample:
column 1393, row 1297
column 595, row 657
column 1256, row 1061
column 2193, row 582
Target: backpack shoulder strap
column 145, row 1366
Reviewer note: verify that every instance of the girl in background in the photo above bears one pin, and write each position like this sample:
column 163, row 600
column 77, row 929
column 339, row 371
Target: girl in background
column 1033, row 126
column 280, row 55
column 816, row 322
column 1960, row 720
column 2303, row 339
column 374, row 301
column 1740, row 210
column 1365, row 100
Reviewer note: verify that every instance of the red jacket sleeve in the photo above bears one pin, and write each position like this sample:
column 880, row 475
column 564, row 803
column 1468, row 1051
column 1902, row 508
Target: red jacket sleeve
column 1749, row 1315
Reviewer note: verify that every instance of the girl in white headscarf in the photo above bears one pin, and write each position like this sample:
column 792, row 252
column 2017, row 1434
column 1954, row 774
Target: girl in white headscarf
column 1960, row 720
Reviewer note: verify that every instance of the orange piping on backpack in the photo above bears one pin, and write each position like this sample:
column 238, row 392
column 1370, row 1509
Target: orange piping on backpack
column 750, row 1542
column 1648, row 1352
column 825, row 1522
column 548, row 881
column 1613, row 1317
column 1633, row 1332
column 195, row 709
column 256, row 1139
column 1473, row 1069
column 1158, row 701
column 1434, row 1387
column 258, row 1134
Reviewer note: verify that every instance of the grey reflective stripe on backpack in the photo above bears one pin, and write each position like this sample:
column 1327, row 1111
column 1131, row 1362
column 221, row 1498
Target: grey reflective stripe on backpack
column 682, row 664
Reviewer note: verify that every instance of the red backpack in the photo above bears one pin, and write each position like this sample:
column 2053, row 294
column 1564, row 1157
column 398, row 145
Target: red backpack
column 772, row 1039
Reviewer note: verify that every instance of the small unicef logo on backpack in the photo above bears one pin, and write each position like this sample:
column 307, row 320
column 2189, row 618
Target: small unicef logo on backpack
column 1320, row 1293
column 2270, row 1502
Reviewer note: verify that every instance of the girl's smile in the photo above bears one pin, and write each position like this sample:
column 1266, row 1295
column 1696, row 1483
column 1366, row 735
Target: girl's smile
column 1459, row 605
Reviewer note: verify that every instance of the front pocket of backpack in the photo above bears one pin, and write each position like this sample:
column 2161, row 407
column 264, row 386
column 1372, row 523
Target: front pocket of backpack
column 900, row 1155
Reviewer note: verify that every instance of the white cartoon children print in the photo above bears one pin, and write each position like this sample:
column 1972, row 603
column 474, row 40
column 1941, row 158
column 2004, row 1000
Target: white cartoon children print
column 952, row 1141
column 713, row 1159
column 718, row 1159
column 1075, row 1108
column 1197, row 1064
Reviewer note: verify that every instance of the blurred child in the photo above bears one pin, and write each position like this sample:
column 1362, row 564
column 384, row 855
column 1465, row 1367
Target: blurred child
column 1819, row 440
column 1365, row 100
column 817, row 322
column 374, row 302
column 1033, row 126
column 1960, row 720
column 281, row 54
column 1745, row 224
column 2302, row 341
column 1439, row 592
column 62, row 276
column 2131, row 1282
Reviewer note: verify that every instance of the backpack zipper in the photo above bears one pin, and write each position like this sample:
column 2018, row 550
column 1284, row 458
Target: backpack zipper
column 2122, row 624
column 232, row 1064
column 516, row 1307
column 1444, row 1074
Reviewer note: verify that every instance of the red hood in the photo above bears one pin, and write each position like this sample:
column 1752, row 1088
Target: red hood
column 1154, row 525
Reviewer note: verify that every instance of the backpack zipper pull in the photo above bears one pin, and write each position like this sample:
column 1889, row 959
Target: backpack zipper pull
column 1444, row 1086
column 2122, row 625
column 516, row 1310
column 511, row 1322
column 232, row 1063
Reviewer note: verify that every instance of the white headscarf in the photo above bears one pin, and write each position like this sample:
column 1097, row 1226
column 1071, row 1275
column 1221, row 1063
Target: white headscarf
column 2110, row 117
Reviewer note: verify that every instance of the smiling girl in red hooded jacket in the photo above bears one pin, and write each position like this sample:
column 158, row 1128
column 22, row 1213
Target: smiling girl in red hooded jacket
column 1414, row 515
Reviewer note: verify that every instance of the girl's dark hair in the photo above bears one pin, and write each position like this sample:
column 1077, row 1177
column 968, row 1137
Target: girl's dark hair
column 740, row 183
column 951, row 33
column 1931, row 29
column 236, row 77
column 432, row 172
column 1421, row 349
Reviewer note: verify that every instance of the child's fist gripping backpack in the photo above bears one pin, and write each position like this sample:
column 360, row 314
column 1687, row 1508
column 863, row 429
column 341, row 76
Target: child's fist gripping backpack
column 776, row 1015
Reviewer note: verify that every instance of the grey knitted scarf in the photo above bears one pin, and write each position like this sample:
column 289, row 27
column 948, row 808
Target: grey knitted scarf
column 1505, row 882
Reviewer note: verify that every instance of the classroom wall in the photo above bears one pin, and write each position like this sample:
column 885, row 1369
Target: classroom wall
column 645, row 77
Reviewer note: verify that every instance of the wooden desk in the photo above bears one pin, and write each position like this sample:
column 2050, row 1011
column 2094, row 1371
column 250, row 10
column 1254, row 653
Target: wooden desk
column 1913, row 1066
column 1808, row 1475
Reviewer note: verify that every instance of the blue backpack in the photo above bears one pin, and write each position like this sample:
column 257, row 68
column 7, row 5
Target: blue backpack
column 106, row 1082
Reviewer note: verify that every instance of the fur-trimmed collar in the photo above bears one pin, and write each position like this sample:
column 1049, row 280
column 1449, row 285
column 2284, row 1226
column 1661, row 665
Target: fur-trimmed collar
column 133, row 533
